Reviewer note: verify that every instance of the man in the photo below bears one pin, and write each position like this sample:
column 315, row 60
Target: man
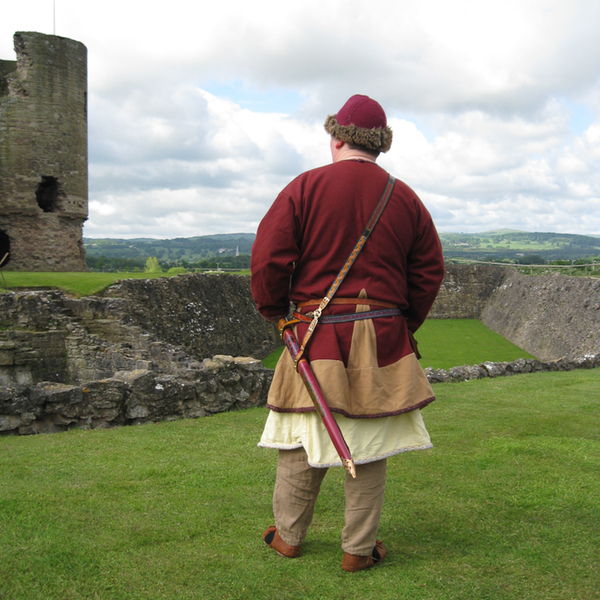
column 367, row 369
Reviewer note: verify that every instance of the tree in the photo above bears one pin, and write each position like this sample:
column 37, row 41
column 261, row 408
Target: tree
column 152, row 265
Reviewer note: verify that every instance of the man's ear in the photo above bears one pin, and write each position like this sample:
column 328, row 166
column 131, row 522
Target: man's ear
column 338, row 144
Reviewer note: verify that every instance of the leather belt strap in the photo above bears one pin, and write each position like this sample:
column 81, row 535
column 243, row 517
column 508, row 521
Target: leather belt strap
column 352, row 301
column 349, row 317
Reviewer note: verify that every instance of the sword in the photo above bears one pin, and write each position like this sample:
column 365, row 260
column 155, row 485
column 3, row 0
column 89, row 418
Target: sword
column 316, row 395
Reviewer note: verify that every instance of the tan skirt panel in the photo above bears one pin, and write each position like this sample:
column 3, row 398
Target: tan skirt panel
column 361, row 390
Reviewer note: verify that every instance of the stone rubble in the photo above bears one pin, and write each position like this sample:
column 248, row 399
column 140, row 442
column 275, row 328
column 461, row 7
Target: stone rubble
column 502, row 369
column 220, row 384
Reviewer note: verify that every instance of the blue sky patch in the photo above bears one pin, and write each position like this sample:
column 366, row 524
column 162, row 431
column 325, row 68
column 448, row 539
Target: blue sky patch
column 581, row 117
column 267, row 100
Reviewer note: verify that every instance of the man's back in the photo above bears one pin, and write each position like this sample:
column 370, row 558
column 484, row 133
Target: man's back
column 314, row 225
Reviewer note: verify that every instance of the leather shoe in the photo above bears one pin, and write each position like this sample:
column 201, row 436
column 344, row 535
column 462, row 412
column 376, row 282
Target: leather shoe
column 272, row 538
column 353, row 563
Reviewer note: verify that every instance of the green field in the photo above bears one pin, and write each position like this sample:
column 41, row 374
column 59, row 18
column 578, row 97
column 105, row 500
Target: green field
column 446, row 343
column 518, row 245
column 504, row 507
column 77, row 284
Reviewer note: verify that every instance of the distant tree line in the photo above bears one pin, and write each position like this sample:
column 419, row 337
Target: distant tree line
column 111, row 264
column 223, row 262
column 535, row 259
column 242, row 262
column 190, row 249
column 532, row 259
column 522, row 247
column 219, row 251
column 107, row 264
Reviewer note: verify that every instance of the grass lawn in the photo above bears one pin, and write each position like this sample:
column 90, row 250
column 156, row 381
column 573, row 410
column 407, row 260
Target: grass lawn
column 506, row 506
column 78, row 284
column 446, row 343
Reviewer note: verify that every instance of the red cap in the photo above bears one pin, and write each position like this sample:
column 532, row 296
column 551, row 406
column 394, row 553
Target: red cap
column 363, row 112
column 362, row 122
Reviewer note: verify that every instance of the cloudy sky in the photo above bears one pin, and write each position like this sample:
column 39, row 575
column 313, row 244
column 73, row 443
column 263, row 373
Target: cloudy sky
column 200, row 112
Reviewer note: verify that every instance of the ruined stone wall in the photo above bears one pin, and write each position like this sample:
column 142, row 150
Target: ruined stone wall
column 203, row 313
column 466, row 290
column 146, row 350
column 106, row 361
column 43, row 154
column 132, row 397
column 167, row 325
column 549, row 316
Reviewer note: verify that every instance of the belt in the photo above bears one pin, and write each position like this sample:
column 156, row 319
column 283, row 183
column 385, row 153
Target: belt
column 355, row 301
column 387, row 309
column 356, row 316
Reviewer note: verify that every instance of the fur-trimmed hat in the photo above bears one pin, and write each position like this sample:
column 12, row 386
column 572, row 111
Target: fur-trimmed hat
column 361, row 122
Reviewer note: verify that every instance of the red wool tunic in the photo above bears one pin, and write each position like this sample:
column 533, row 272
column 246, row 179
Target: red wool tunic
column 367, row 368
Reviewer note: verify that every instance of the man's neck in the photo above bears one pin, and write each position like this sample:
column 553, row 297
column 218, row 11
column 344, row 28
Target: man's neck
column 354, row 154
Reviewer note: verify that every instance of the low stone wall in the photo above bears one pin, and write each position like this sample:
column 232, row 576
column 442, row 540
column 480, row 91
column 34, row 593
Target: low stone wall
column 224, row 383
column 131, row 397
column 516, row 367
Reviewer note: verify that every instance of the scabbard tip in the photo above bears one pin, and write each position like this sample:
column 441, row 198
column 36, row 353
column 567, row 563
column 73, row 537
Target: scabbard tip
column 350, row 468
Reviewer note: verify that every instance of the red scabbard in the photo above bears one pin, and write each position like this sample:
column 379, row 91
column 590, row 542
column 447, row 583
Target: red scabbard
column 310, row 381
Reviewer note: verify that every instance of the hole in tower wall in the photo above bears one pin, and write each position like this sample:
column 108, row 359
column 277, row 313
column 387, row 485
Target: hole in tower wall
column 48, row 194
column 4, row 248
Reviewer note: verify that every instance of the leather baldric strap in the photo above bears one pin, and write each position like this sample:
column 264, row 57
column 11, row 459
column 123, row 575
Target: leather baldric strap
column 387, row 192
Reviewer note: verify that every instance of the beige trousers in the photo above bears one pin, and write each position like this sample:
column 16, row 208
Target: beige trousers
column 297, row 487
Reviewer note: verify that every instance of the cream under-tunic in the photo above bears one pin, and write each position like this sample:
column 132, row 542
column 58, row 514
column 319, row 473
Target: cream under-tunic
column 362, row 385
column 368, row 439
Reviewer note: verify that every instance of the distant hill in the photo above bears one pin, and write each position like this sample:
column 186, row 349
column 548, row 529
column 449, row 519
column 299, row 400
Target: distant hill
column 188, row 249
column 498, row 245
column 501, row 244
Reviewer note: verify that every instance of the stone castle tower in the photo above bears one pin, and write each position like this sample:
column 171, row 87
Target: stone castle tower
column 43, row 154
